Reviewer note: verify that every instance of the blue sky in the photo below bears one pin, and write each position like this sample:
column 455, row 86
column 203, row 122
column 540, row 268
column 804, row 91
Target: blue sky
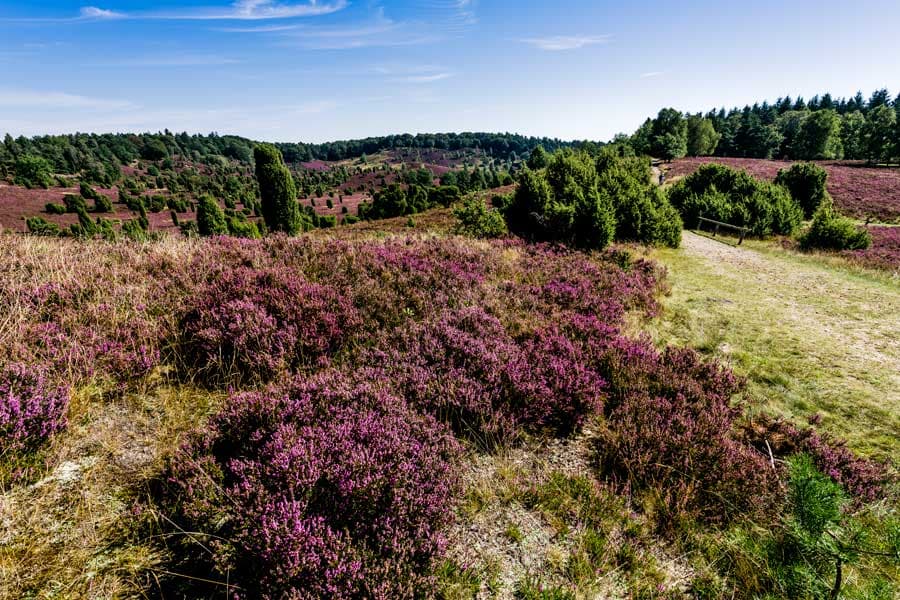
column 288, row 70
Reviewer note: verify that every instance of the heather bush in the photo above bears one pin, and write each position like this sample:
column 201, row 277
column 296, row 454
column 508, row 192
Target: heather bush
column 253, row 324
column 466, row 370
column 863, row 479
column 670, row 433
column 32, row 408
column 321, row 488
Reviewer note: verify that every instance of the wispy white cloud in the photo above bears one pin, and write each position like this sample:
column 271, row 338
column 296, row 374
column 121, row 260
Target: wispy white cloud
column 424, row 78
column 566, row 42
column 253, row 10
column 92, row 12
column 651, row 74
column 414, row 73
column 31, row 99
column 186, row 60
column 242, row 10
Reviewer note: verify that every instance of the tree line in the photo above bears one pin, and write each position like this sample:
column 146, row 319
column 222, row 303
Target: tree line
column 822, row 128
column 98, row 158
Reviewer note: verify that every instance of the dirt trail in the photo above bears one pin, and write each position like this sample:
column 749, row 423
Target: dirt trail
column 801, row 291
column 813, row 337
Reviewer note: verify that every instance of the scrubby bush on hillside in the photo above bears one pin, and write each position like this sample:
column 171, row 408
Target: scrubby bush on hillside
column 563, row 204
column 806, row 184
column 323, row 488
column 718, row 192
column 102, row 204
column 31, row 407
column 210, row 218
column 41, row 226
column 830, row 231
column 55, row 209
column 251, row 325
column 74, row 203
column 643, row 212
column 475, row 219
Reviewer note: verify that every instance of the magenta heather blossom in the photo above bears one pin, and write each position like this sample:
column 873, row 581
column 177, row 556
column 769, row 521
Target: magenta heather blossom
column 465, row 369
column 251, row 325
column 322, row 488
column 31, row 407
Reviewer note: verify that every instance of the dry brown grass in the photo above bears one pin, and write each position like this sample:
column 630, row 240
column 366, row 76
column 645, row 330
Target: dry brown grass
column 69, row 534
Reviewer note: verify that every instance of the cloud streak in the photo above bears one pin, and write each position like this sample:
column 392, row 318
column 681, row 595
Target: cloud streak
column 559, row 43
column 242, row 10
column 58, row 101
column 253, row 10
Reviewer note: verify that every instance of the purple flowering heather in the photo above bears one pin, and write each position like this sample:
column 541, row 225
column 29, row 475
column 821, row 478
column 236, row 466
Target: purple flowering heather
column 31, row 407
column 320, row 489
column 251, row 325
column 466, row 370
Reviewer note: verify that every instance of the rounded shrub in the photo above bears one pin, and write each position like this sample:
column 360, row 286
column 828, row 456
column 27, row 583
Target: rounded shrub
column 642, row 211
column 724, row 194
column 562, row 203
column 319, row 489
column 806, row 184
column 251, row 325
column 831, row 231
column 475, row 219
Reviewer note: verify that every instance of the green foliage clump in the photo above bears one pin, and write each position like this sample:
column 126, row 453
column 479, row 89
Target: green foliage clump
column 238, row 226
column 831, row 231
column 718, row 192
column 387, row 203
column 475, row 219
column 74, row 203
column 40, row 226
column 539, row 159
column 55, row 209
column 210, row 218
column 562, row 203
column 326, row 221
column 33, row 172
column 277, row 190
column 806, row 184
column 642, row 211
column 702, row 138
column 444, row 195
column 808, row 553
column 102, row 204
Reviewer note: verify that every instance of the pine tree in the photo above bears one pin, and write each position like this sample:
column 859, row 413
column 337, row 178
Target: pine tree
column 277, row 190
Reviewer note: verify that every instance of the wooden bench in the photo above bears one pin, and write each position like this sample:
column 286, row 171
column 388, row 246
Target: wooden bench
column 742, row 231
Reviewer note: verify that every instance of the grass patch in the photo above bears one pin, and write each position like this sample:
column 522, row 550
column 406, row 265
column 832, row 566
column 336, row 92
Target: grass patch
column 812, row 337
